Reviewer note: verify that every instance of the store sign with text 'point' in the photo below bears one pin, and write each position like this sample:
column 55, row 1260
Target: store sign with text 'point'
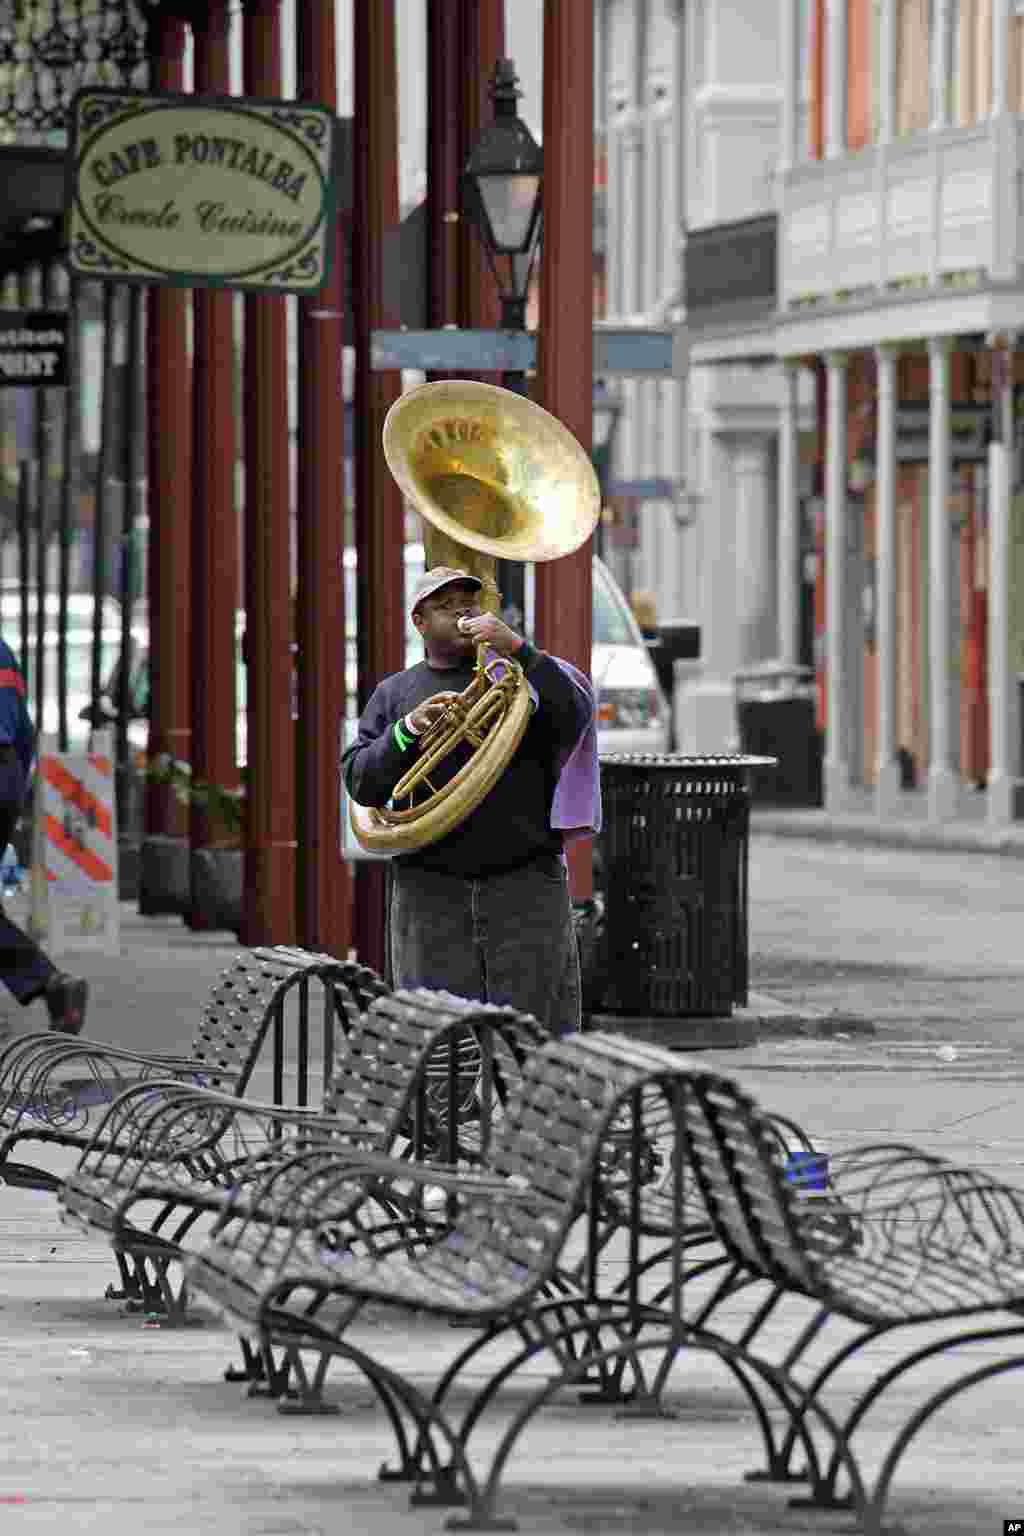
column 200, row 191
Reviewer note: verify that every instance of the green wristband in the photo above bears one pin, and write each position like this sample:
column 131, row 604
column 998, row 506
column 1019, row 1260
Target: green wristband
column 402, row 741
column 526, row 655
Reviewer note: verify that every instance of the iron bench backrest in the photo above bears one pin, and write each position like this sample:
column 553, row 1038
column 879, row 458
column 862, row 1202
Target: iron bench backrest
column 657, row 1194
column 384, row 1086
column 734, row 1152
column 249, row 1005
column 383, row 1093
column 551, row 1146
column 260, row 1014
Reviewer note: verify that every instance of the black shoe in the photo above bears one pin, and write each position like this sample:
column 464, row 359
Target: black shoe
column 66, row 997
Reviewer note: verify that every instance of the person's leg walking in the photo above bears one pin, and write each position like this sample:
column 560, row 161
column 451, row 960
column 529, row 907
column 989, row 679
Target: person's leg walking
column 26, row 971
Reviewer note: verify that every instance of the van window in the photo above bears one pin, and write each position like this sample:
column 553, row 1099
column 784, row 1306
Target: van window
column 611, row 617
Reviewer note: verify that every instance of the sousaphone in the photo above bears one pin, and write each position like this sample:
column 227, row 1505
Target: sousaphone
column 495, row 477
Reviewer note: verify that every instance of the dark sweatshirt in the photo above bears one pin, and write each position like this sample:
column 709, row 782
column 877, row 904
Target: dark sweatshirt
column 511, row 825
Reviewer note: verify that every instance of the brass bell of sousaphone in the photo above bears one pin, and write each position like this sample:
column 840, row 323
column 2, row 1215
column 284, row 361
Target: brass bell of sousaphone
column 495, row 477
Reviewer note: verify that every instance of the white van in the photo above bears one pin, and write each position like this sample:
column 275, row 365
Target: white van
column 632, row 712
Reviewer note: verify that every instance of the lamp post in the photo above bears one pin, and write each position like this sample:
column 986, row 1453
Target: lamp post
column 607, row 410
column 501, row 193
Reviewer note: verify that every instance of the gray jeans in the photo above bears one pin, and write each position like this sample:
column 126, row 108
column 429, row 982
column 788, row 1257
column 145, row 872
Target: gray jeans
column 502, row 939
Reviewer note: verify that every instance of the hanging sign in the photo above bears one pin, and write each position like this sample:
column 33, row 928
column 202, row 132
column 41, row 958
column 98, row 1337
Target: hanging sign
column 74, row 857
column 200, row 191
column 33, row 348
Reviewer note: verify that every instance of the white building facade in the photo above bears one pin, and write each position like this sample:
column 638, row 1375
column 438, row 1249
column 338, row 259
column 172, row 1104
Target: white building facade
column 690, row 109
column 831, row 189
column 901, row 271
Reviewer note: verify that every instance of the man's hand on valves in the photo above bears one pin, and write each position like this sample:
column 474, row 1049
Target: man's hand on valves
column 488, row 629
column 429, row 712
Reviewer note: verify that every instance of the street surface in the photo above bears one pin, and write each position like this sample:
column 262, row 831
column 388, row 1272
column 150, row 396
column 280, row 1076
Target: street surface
column 925, row 945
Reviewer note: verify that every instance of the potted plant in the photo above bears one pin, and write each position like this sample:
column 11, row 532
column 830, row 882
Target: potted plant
column 205, row 885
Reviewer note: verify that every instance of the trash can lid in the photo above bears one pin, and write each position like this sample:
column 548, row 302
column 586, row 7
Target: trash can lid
column 734, row 760
column 761, row 671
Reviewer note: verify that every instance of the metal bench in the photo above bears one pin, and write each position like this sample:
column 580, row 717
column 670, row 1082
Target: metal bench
column 416, row 1075
column 53, row 1088
column 525, row 1263
column 906, row 1242
column 899, row 1238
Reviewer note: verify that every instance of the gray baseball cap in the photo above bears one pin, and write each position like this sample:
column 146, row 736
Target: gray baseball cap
column 437, row 577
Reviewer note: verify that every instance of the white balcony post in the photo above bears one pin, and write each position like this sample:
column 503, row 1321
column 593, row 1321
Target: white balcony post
column 888, row 768
column 835, row 79
column 837, row 737
column 887, row 58
column 1002, row 703
column 941, row 63
column 756, row 577
column 943, row 777
column 789, row 519
column 1000, row 57
column 790, row 84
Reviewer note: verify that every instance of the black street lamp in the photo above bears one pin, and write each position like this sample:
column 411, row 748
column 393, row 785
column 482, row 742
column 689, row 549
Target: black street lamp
column 607, row 409
column 501, row 194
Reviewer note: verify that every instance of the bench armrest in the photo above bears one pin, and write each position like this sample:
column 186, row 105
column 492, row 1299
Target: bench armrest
column 917, row 1197
column 318, row 1184
column 157, row 1124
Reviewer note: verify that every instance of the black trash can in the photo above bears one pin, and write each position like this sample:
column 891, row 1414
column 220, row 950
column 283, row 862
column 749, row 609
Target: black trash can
column 673, row 861
column 775, row 710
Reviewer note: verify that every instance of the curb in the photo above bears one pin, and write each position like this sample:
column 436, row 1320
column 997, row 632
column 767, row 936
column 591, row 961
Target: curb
column 707, row 1033
column 760, row 1022
column 865, row 832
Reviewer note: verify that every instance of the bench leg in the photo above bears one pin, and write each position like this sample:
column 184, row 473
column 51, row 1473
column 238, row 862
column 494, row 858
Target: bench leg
column 157, row 1297
column 251, row 1368
column 131, row 1286
column 872, row 1518
column 823, row 1495
column 272, row 1376
column 305, row 1395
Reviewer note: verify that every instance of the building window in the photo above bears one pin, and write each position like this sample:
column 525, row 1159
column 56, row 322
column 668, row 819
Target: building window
column 805, row 32
column 972, row 61
column 913, row 59
column 862, row 68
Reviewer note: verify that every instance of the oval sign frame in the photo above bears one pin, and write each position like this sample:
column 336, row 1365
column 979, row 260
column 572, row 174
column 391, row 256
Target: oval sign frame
column 308, row 144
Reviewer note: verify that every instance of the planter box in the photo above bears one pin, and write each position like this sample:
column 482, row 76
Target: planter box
column 164, row 886
column 216, row 896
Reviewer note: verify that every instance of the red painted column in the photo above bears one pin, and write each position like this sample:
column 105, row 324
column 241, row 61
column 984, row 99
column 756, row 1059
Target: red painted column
column 215, row 552
column 483, row 43
column 379, row 514
column 445, row 75
column 324, row 893
column 565, row 329
column 270, row 858
column 169, row 433
column 464, row 38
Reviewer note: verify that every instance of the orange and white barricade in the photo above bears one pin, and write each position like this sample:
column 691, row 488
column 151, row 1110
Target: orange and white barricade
column 74, row 874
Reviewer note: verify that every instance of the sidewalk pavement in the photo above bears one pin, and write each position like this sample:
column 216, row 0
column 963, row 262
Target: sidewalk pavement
column 117, row 1426
column 910, row 830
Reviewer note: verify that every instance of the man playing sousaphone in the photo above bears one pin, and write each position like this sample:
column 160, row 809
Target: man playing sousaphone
column 484, row 911
column 474, row 767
